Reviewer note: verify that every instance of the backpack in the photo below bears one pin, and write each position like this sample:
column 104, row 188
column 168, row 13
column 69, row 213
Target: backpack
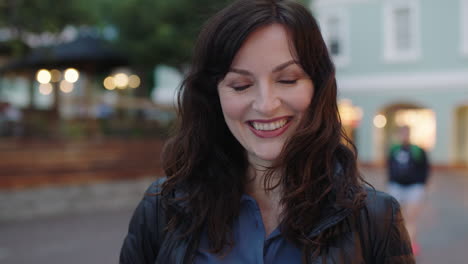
column 405, row 163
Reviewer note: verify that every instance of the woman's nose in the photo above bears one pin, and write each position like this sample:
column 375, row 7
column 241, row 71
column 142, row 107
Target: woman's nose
column 266, row 99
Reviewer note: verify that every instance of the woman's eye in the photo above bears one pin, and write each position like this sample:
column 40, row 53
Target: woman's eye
column 239, row 88
column 287, row 81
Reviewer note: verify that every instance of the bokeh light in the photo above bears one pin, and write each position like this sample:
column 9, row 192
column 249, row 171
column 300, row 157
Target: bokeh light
column 422, row 123
column 71, row 75
column 133, row 81
column 350, row 114
column 56, row 75
column 380, row 121
column 109, row 83
column 66, row 87
column 43, row 76
column 121, row 80
column 45, row 88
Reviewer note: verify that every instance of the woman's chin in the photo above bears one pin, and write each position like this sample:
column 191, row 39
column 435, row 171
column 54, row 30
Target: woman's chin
column 264, row 158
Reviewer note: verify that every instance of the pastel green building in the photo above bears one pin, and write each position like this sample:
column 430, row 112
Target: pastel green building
column 401, row 62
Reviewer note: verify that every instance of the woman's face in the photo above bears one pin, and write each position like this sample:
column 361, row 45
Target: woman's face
column 265, row 94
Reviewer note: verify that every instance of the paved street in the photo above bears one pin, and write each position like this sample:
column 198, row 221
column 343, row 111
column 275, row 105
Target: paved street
column 72, row 239
column 443, row 234
column 92, row 232
column 78, row 224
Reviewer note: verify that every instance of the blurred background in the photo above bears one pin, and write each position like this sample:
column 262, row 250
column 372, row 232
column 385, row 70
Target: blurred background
column 87, row 92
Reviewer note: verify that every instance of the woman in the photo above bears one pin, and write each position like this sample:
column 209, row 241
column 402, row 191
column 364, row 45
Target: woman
column 257, row 171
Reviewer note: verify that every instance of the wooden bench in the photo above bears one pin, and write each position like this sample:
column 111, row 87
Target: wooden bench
column 32, row 163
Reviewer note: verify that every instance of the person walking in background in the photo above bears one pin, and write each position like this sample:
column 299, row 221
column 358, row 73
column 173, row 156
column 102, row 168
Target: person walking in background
column 408, row 170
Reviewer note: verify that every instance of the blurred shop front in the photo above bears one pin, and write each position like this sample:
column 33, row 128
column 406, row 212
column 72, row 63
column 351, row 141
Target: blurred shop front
column 72, row 113
column 351, row 116
column 439, row 124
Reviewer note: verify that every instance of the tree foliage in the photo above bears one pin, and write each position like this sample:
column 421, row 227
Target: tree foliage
column 161, row 32
column 45, row 15
column 150, row 31
column 22, row 17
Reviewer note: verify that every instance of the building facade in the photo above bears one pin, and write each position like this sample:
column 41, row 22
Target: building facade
column 401, row 63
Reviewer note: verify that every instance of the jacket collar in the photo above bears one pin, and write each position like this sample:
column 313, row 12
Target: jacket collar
column 332, row 216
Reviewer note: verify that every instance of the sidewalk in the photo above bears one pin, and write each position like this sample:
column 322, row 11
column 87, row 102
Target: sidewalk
column 48, row 201
column 54, row 224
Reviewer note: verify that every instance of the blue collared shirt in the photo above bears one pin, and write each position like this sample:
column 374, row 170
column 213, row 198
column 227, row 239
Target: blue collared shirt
column 250, row 243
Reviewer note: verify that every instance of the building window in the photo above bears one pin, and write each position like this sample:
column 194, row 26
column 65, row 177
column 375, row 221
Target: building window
column 333, row 40
column 401, row 30
column 464, row 26
column 334, row 25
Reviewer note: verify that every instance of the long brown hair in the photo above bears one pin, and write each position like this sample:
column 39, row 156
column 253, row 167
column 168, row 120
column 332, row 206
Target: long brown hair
column 207, row 166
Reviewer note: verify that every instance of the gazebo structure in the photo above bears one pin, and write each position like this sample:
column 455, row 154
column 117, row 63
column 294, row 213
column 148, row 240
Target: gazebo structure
column 86, row 57
column 61, row 159
column 87, row 54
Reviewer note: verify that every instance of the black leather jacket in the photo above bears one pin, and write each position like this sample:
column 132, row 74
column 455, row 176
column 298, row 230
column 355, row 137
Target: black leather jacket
column 375, row 235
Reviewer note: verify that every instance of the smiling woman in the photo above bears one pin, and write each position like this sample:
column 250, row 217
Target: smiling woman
column 265, row 94
column 256, row 170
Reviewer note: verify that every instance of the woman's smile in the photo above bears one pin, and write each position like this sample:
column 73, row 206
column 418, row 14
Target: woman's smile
column 269, row 128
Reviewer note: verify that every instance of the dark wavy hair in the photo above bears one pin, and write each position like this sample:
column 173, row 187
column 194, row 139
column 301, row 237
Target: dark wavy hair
column 207, row 166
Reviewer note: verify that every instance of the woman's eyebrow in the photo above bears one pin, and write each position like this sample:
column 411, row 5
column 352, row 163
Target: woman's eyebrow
column 284, row 65
column 239, row 71
column 275, row 69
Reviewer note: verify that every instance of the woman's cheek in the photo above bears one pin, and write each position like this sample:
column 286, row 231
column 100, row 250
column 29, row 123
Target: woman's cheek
column 233, row 107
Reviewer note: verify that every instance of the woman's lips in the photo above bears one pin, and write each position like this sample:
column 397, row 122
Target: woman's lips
column 269, row 128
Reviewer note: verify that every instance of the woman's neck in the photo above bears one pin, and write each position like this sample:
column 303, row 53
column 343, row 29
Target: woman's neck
column 256, row 181
column 269, row 201
column 256, row 173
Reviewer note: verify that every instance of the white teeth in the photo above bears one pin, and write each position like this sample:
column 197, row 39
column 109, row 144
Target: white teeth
column 269, row 126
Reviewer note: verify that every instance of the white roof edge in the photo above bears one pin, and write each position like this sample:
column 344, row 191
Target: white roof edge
column 443, row 80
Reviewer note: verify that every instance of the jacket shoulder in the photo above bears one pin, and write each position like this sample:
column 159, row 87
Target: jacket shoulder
column 155, row 187
column 380, row 204
column 141, row 245
column 390, row 241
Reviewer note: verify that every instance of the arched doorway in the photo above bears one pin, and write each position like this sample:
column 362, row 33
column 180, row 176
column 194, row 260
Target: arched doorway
column 461, row 135
column 351, row 116
column 420, row 120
